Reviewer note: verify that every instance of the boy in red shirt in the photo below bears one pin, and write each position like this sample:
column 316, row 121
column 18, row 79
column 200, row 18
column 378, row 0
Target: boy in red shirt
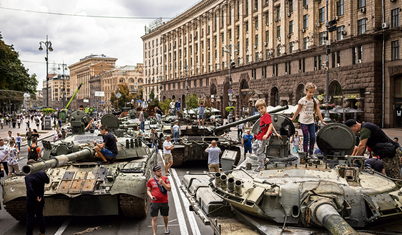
column 264, row 133
column 159, row 199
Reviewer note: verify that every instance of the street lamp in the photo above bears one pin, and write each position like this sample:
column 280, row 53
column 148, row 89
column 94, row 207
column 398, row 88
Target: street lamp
column 48, row 45
column 229, row 50
column 64, row 66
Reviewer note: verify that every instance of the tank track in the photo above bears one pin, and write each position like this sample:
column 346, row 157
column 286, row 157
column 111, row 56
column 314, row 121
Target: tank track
column 16, row 208
column 134, row 207
column 178, row 158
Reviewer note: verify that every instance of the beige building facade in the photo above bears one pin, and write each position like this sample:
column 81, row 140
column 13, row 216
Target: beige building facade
column 82, row 71
column 277, row 47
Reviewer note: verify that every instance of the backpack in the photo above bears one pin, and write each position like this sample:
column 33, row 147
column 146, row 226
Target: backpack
column 32, row 153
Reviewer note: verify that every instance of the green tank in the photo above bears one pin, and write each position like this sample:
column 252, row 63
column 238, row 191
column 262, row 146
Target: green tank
column 194, row 139
column 79, row 184
column 342, row 198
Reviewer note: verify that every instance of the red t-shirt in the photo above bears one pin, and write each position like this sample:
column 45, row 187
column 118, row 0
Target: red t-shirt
column 160, row 197
column 264, row 124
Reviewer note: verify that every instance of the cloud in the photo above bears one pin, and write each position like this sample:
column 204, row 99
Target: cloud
column 76, row 37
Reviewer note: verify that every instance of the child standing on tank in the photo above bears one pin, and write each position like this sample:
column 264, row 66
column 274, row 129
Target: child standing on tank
column 264, row 133
column 307, row 106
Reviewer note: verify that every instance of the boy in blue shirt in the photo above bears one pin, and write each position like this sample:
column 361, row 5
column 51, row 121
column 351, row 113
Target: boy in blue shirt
column 247, row 141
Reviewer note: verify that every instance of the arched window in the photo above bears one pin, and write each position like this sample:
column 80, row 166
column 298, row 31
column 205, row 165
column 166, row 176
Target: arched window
column 131, row 80
column 300, row 92
column 274, row 97
column 121, row 80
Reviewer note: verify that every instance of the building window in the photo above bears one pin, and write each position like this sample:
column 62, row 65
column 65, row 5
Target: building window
column 278, row 31
column 333, row 59
column 291, row 47
column 256, row 57
column 361, row 26
column 315, row 62
column 290, row 67
column 238, row 30
column 319, row 62
column 256, row 22
column 246, row 43
column 255, row 5
column 267, row 54
column 305, row 43
column 247, row 59
column 305, row 2
column 290, row 27
column 395, row 50
column 290, row 6
column 256, row 39
column 278, row 12
column 267, row 35
column 322, row 15
column 322, row 38
column 279, row 50
column 395, row 18
column 230, row 15
column 339, row 8
column 266, row 18
column 246, row 26
column 305, row 21
column 339, row 35
column 362, row 3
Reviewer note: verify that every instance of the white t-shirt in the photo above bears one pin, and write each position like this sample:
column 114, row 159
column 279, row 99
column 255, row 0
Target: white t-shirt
column 167, row 144
column 2, row 121
column 3, row 152
column 172, row 104
column 307, row 112
column 8, row 139
column 56, row 136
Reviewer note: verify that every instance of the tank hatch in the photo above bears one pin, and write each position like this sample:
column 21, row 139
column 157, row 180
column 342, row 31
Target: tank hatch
column 88, row 138
column 336, row 139
column 111, row 121
column 283, row 125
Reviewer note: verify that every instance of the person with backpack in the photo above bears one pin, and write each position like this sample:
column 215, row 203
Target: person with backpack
column 34, row 151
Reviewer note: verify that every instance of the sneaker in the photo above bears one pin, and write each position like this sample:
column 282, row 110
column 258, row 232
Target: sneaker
column 266, row 161
column 112, row 161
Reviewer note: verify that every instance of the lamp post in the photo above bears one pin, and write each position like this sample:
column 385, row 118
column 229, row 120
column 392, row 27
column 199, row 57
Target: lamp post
column 64, row 66
column 229, row 50
column 48, row 45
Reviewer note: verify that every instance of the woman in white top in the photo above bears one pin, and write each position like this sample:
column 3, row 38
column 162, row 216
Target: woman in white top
column 12, row 156
column 307, row 106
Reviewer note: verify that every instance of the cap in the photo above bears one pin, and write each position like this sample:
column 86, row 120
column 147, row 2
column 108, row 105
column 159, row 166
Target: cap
column 157, row 168
column 350, row 122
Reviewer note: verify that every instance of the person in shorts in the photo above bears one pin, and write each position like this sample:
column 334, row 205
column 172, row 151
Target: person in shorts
column 201, row 109
column 167, row 154
column 247, row 142
column 213, row 156
column 107, row 151
column 159, row 199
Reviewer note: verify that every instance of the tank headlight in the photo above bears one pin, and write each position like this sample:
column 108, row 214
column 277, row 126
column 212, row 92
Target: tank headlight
column 12, row 189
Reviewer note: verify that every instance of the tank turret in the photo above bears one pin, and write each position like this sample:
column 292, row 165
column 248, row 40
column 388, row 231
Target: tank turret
column 132, row 113
column 79, row 120
column 83, row 155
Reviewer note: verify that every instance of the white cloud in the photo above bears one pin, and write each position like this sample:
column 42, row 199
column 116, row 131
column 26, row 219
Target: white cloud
column 76, row 37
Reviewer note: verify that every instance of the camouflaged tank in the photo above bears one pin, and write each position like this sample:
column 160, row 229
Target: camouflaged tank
column 194, row 139
column 79, row 184
column 306, row 198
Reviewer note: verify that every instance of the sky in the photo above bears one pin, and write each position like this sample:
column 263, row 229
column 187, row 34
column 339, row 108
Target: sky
column 74, row 37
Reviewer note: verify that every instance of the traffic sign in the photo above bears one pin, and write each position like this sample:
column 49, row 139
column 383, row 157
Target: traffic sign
column 102, row 102
column 230, row 90
column 118, row 95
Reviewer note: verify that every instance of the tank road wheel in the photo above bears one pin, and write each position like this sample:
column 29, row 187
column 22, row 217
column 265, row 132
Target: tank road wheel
column 178, row 158
column 16, row 208
column 131, row 206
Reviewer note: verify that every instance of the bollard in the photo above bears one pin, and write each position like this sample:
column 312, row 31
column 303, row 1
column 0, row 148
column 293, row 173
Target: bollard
column 230, row 185
column 136, row 143
column 217, row 179
column 224, row 182
column 132, row 143
column 238, row 187
column 127, row 144
column 248, row 166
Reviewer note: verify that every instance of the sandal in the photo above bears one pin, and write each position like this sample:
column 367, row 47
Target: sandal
column 167, row 232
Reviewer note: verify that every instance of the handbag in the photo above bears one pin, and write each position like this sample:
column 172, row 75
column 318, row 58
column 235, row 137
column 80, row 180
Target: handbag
column 161, row 188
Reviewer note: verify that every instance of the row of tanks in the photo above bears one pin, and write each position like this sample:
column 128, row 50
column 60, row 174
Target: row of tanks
column 82, row 186
column 298, row 194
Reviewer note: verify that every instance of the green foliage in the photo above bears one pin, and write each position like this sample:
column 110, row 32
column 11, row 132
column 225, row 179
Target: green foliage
column 152, row 95
column 124, row 98
column 154, row 102
column 48, row 111
column 13, row 74
column 229, row 108
column 164, row 105
column 191, row 101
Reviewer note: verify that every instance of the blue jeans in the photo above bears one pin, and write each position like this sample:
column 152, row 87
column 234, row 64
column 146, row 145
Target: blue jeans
column 176, row 136
column 19, row 145
column 142, row 126
column 107, row 153
column 308, row 129
column 156, row 147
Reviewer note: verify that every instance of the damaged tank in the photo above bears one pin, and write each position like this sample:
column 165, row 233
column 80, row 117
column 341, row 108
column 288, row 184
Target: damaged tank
column 314, row 196
column 80, row 185
column 194, row 139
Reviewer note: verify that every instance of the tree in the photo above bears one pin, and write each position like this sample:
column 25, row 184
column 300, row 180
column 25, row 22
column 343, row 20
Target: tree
column 152, row 95
column 13, row 74
column 125, row 97
column 165, row 105
column 191, row 102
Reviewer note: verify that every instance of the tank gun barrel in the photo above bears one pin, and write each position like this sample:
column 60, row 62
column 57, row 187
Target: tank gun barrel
column 327, row 215
column 221, row 129
column 57, row 161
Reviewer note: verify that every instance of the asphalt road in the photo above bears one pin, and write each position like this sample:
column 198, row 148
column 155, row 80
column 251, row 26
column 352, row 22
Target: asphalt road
column 181, row 220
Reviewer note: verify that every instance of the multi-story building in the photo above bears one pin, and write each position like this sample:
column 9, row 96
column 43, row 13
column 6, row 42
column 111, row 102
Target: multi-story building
column 55, row 87
column 277, row 47
column 82, row 71
column 129, row 74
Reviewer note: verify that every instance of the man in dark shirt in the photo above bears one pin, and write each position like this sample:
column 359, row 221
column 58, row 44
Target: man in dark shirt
column 373, row 137
column 375, row 164
column 35, row 184
column 108, row 149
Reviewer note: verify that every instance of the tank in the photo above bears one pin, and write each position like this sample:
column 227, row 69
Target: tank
column 195, row 139
column 342, row 198
column 80, row 185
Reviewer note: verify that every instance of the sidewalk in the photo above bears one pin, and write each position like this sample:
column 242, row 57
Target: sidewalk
column 42, row 133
